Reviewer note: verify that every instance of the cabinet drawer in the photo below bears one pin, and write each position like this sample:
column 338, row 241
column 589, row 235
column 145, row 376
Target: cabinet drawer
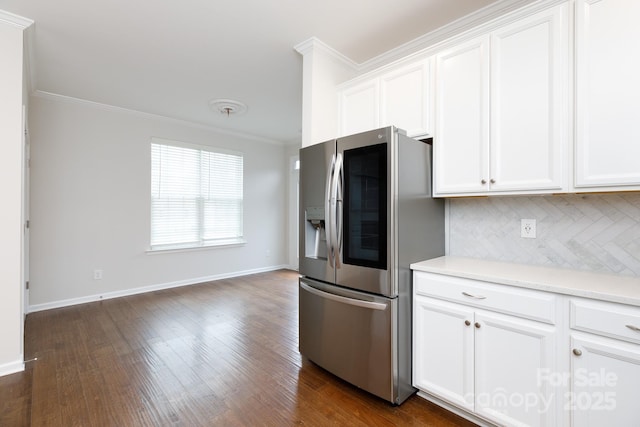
column 609, row 319
column 535, row 305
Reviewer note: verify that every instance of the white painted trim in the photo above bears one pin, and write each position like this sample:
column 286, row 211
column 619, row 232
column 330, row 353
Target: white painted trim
column 112, row 108
column 468, row 26
column 150, row 288
column 292, row 267
column 159, row 250
column 30, row 58
column 15, row 20
column 314, row 43
column 12, row 367
column 445, row 32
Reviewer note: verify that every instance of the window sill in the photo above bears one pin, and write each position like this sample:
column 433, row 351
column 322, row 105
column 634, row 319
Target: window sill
column 177, row 248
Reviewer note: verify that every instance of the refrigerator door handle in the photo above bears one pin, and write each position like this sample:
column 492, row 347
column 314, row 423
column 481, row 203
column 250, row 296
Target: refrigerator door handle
column 336, row 211
column 327, row 211
column 338, row 298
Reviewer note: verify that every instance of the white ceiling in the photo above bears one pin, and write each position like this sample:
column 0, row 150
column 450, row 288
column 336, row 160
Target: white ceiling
column 171, row 57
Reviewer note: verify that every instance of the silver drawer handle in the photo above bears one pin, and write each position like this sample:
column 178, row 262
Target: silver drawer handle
column 633, row 328
column 345, row 300
column 474, row 296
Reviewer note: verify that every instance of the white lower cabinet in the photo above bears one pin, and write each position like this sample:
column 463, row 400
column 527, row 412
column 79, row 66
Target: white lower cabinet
column 605, row 381
column 487, row 363
column 444, row 343
column 605, row 364
column 510, row 356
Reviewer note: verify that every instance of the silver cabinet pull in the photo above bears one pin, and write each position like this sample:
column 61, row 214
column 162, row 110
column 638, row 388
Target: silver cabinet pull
column 493, row 181
column 577, row 352
column 466, row 322
column 484, row 181
column 477, row 325
column 633, row 328
column 474, row 296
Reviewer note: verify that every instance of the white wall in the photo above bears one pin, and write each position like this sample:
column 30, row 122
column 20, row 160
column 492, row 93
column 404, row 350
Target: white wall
column 90, row 197
column 11, row 274
column 292, row 208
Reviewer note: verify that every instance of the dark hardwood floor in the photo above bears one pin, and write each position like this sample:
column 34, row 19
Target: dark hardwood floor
column 219, row 353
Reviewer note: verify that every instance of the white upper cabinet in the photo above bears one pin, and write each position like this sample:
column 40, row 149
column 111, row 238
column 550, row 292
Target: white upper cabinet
column 400, row 97
column 506, row 116
column 461, row 140
column 502, row 110
column 529, row 103
column 359, row 107
column 607, row 92
column 405, row 101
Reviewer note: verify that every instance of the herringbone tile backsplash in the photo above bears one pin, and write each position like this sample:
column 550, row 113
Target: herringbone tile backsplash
column 592, row 232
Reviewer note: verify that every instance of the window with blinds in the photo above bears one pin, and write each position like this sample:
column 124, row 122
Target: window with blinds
column 196, row 196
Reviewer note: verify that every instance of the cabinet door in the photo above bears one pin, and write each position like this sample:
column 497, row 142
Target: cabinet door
column 461, row 133
column 529, row 103
column 443, row 350
column 511, row 355
column 607, row 93
column 605, row 381
column 406, row 98
column 359, row 108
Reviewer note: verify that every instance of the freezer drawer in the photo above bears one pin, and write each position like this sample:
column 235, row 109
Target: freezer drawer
column 351, row 334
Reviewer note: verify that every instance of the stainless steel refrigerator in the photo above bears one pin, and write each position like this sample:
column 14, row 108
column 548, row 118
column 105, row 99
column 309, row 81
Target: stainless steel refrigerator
column 366, row 213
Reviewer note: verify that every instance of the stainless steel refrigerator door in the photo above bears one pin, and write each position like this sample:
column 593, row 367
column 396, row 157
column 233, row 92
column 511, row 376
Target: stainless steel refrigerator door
column 365, row 211
column 316, row 163
column 350, row 334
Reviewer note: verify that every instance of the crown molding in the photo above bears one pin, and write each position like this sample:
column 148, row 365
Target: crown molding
column 28, row 27
column 466, row 23
column 314, row 44
column 15, row 20
column 112, row 108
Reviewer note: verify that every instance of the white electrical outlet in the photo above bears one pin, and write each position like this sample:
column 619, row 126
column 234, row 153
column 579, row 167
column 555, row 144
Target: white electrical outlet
column 528, row 228
column 97, row 274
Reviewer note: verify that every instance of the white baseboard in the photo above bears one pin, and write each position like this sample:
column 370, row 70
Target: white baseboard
column 12, row 367
column 150, row 288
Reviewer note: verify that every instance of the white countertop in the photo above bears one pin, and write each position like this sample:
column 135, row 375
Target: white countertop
column 608, row 287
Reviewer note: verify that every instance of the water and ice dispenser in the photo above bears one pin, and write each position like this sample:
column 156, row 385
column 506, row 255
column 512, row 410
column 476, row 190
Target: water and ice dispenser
column 315, row 233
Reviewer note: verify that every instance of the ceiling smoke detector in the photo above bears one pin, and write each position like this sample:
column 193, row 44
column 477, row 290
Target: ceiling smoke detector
column 227, row 107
